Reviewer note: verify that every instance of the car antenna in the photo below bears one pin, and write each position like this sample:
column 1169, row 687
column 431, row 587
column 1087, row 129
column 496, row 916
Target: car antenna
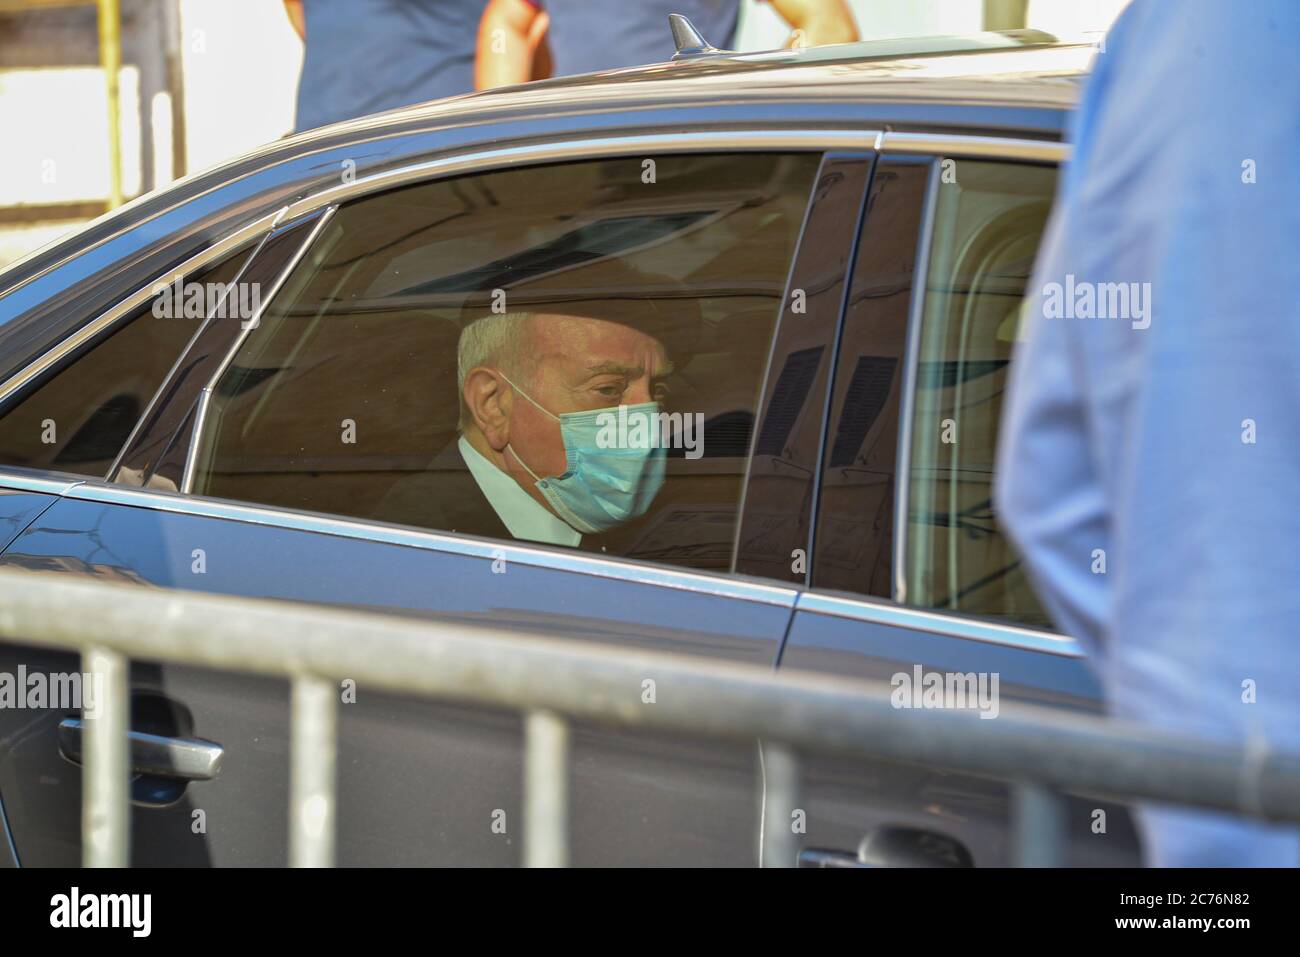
column 688, row 40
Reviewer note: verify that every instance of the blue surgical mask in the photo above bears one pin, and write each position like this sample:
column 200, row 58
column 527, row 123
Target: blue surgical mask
column 606, row 483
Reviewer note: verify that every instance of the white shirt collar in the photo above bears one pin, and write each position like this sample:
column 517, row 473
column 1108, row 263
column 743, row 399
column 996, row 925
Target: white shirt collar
column 524, row 516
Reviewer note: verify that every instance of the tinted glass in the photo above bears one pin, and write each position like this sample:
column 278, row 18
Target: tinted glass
column 77, row 417
column 587, row 286
column 855, row 510
column 159, row 447
column 986, row 233
column 775, row 529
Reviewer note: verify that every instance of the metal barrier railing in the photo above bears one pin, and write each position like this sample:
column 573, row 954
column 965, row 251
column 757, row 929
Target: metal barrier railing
column 554, row 681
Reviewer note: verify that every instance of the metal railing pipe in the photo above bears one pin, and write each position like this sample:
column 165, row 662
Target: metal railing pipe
column 546, row 790
column 780, row 805
column 1040, row 826
column 105, row 806
column 524, row 670
column 313, row 760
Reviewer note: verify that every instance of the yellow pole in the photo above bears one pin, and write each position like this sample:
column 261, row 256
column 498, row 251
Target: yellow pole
column 1005, row 14
column 110, row 59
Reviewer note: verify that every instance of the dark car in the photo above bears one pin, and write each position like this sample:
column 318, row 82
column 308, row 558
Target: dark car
column 249, row 384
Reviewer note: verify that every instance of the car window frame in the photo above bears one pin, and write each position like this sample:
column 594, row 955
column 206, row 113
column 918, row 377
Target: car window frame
column 100, row 328
column 934, row 148
column 775, row 139
column 547, row 152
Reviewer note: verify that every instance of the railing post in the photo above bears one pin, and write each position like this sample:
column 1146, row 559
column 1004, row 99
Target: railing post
column 313, row 759
column 1040, row 819
column 546, row 790
column 105, row 806
column 780, row 801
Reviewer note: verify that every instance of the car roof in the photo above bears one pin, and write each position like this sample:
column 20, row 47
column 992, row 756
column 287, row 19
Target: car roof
column 1023, row 68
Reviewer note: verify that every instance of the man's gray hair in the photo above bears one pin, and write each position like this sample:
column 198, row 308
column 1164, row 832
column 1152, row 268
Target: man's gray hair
column 494, row 340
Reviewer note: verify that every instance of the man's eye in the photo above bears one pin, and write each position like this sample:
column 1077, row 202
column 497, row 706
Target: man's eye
column 610, row 391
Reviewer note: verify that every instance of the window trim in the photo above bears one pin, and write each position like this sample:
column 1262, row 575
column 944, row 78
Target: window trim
column 936, row 622
column 538, row 153
column 907, row 405
column 939, row 145
column 45, row 481
column 723, row 585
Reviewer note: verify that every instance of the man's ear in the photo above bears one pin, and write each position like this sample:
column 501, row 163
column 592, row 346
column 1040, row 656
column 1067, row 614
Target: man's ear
column 489, row 403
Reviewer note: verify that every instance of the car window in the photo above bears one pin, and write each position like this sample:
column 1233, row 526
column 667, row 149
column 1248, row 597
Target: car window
column 776, row 526
column 987, row 227
column 855, row 511
column 76, row 418
column 568, row 354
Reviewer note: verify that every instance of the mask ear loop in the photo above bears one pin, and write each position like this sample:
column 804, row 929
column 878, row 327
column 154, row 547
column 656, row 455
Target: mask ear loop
column 527, row 396
column 509, row 447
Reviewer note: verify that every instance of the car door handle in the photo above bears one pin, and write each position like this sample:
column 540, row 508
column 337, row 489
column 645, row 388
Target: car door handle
column 190, row 759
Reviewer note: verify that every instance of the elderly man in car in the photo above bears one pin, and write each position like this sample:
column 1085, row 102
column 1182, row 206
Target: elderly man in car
column 540, row 388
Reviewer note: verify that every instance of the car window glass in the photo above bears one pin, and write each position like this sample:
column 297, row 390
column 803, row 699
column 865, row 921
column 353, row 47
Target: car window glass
column 570, row 290
column 855, row 511
column 77, row 417
column 781, row 488
column 987, row 227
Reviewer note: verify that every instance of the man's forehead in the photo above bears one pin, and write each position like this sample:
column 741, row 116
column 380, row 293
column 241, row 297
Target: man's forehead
column 560, row 326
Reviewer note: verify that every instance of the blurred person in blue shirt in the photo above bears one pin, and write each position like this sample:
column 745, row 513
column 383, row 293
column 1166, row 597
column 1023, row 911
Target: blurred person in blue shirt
column 367, row 56
column 1163, row 440
column 521, row 40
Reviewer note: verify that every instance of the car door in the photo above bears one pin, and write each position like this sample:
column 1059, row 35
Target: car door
column 18, row 508
column 419, row 783
column 63, row 417
column 260, row 470
column 910, row 573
